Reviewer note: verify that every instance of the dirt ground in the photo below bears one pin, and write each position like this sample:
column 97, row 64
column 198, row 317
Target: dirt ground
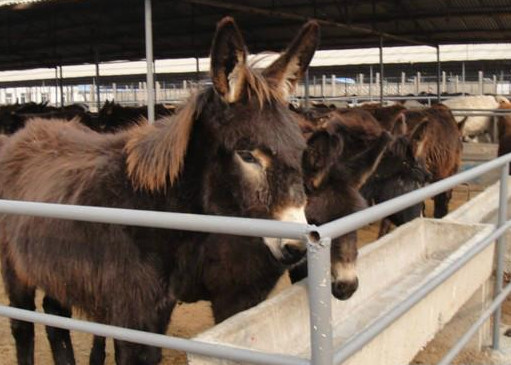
column 191, row 319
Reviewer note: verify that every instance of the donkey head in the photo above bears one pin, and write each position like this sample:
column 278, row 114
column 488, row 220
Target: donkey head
column 254, row 149
column 334, row 169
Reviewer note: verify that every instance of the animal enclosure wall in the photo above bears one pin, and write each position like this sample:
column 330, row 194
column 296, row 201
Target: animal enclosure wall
column 389, row 270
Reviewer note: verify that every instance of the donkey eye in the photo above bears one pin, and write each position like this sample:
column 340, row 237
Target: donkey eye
column 247, row 156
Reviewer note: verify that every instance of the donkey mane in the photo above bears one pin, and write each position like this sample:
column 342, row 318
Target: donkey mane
column 156, row 153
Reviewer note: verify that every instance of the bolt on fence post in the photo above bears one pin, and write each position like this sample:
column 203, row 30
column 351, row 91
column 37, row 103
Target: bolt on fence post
column 500, row 250
column 320, row 302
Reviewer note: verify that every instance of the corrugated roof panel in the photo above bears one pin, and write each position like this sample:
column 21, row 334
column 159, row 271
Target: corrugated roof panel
column 184, row 28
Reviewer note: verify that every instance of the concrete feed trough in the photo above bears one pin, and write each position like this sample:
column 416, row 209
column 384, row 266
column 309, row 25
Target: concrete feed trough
column 389, row 270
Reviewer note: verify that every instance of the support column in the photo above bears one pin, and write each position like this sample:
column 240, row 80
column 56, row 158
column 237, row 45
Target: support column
column 381, row 70
column 149, row 61
column 438, row 74
column 97, row 82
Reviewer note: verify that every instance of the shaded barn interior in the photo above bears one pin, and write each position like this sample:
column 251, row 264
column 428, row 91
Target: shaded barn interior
column 65, row 32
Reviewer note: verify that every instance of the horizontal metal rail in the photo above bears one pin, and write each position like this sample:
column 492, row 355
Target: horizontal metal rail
column 152, row 339
column 458, row 346
column 147, row 218
column 354, row 344
column 477, row 114
column 469, row 110
column 357, row 220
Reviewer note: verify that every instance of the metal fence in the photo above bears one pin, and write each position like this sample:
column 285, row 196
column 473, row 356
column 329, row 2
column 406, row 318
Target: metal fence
column 324, row 87
column 318, row 240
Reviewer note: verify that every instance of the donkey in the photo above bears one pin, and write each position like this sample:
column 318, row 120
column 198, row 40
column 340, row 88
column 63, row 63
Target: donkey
column 398, row 173
column 339, row 158
column 114, row 117
column 233, row 149
column 439, row 149
column 504, row 130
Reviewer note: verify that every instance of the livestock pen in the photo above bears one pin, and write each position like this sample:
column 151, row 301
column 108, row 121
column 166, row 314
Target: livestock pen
column 318, row 240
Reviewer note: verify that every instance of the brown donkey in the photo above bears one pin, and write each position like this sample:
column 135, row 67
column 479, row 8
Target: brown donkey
column 504, row 128
column 340, row 156
column 233, row 149
column 438, row 146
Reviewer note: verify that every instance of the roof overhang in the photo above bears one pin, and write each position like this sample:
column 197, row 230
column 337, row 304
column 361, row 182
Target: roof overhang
column 65, row 32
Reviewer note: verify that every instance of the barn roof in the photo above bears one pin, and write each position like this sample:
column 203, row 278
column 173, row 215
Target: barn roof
column 46, row 33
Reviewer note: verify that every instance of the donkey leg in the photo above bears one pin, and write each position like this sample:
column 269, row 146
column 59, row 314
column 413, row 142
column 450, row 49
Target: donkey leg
column 20, row 296
column 97, row 354
column 60, row 340
column 127, row 353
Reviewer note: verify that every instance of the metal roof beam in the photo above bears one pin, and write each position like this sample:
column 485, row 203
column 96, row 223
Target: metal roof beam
column 298, row 17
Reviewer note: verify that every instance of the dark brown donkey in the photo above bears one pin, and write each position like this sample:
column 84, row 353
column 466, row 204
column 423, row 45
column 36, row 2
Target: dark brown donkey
column 504, row 127
column 439, row 147
column 233, row 149
column 398, row 173
column 340, row 156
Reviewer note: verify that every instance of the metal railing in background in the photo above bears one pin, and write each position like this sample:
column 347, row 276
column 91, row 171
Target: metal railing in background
column 318, row 243
column 171, row 90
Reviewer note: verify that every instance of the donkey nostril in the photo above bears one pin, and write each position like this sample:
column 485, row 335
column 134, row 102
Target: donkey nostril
column 292, row 253
column 343, row 290
column 294, row 250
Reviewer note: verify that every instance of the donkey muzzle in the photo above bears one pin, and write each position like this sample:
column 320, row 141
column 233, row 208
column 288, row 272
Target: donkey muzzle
column 286, row 251
column 344, row 280
column 343, row 290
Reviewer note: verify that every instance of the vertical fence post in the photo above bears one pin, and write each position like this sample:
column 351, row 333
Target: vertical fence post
column 418, row 85
column 463, row 89
column 320, row 302
column 306, row 90
column 323, row 86
column 403, row 83
column 371, row 83
column 500, row 250
column 61, row 86
column 480, row 80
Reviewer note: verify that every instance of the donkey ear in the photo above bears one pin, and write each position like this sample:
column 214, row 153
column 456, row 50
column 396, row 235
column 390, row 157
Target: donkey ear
column 286, row 70
column 228, row 58
column 400, row 128
column 420, row 130
column 323, row 148
column 417, row 138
